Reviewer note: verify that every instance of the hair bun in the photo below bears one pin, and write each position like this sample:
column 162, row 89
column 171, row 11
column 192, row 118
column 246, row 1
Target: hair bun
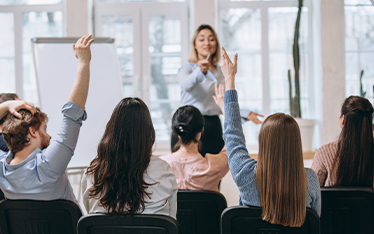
column 181, row 128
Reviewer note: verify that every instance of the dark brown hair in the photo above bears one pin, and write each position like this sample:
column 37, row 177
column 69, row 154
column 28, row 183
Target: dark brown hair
column 15, row 131
column 123, row 156
column 354, row 157
column 280, row 175
column 187, row 121
column 6, row 97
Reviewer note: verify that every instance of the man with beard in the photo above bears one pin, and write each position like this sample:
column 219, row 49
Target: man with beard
column 35, row 169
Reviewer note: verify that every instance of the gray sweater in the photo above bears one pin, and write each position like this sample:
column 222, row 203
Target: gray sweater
column 243, row 167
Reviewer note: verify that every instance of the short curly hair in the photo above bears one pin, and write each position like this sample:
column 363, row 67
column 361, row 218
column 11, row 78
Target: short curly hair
column 7, row 97
column 15, row 130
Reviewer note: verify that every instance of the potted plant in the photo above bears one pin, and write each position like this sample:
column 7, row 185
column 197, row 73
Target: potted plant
column 306, row 125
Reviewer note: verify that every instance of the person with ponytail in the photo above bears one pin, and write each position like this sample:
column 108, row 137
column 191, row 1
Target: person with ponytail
column 350, row 160
column 278, row 181
column 191, row 169
column 124, row 177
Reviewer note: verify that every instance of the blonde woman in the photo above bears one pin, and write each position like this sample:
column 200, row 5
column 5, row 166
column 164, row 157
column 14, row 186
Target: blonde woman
column 277, row 182
column 197, row 79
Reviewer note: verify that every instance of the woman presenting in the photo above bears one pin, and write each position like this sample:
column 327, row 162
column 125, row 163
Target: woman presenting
column 198, row 79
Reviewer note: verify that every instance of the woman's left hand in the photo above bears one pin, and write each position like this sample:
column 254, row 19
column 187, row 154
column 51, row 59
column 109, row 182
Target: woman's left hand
column 219, row 98
column 253, row 116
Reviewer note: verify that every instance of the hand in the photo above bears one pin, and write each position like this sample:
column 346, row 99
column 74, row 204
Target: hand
column 219, row 98
column 229, row 69
column 204, row 65
column 82, row 49
column 15, row 106
column 253, row 117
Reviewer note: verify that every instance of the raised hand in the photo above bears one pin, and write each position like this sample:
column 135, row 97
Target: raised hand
column 229, row 69
column 14, row 106
column 253, row 116
column 82, row 49
column 219, row 98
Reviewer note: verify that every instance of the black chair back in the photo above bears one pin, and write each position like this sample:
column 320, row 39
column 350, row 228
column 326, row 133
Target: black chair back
column 199, row 212
column 136, row 224
column 247, row 220
column 2, row 197
column 39, row 217
column 347, row 210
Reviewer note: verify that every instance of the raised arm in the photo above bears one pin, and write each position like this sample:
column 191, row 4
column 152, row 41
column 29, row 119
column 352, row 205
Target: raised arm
column 242, row 166
column 79, row 91
column 14, row 106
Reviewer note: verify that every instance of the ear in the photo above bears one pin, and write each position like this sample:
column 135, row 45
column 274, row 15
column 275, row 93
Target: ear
column 33, row 133
column 342, row 121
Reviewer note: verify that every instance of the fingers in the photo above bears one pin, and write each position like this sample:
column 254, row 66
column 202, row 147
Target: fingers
column 86, row 38
column 16, row 114
column 259, row 115
column 235, row 59
column 215, row 99
column 216, row 89
column 90, row 42
column 30, row 106
column 222, row 89
column 225, row 56
column 74, row 47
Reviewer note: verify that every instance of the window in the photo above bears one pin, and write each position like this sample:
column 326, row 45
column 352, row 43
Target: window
column 25, row 20
column 152, row 44
column 262, row 33
column 359, row 47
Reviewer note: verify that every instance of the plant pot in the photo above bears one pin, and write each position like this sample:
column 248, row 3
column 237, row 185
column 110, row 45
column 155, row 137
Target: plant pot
column 307, row 132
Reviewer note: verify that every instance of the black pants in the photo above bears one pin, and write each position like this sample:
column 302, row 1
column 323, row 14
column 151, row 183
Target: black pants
column 211, row 138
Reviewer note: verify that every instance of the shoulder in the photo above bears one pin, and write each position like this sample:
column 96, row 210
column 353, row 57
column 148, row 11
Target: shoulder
column 327, row 150
column 312, row 177
column 3, row 155
column 158, row 164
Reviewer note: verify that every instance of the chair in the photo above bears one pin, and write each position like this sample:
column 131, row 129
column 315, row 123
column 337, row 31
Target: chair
column 2, row 197
column 244, row 219
column 136, row 224
column 347, row 210
column 39, row 217
column 199, row 212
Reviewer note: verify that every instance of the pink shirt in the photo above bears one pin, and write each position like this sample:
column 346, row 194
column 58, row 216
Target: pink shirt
column 197, row 172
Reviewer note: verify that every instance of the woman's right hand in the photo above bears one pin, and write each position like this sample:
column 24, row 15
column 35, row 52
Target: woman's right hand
column 204, row 65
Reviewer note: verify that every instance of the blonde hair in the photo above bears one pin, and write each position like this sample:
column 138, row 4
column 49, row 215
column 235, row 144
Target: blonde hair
column 193, row 54
column 280, row 175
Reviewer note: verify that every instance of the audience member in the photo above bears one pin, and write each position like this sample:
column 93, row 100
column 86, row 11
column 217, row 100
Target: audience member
column 349, row 161
column 278, row 182
column 124, row 177
column 34, row 168
column 192, row 170
column 3, row 98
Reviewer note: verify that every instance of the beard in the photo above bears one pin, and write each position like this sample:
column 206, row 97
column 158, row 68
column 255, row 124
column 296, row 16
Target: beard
column 45, row 142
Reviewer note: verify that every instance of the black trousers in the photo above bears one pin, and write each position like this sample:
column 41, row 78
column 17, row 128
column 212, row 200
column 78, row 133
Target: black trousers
column 211, row 139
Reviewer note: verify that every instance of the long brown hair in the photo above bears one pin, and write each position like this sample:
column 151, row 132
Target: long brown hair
column 193, row 54
column 123, row 156
column 280, row 174
column 354, row 157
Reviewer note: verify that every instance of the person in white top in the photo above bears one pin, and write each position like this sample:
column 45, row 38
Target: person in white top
column 124, row 177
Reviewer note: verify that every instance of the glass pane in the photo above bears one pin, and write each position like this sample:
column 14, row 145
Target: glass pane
column 165, row 92
column 119, row 1
column 240, row 30
column 281, row 34
column 36, row 24
column 28, row 2
column 7, row 74
column 121, row 28
column 357, row 2
column 359, row 28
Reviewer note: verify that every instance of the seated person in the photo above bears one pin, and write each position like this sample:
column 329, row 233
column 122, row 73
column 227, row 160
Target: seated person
column 124, row 177
column 349, row 161
column 278, row 181
column 192, row 170
column 3, row 98
column 35, row 169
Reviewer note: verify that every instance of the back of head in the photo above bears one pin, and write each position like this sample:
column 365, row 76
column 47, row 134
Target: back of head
column 355, row 152
column 7, row 97
column 16, row 130
column 280, row 174
column 123, row 156
column 187, row 122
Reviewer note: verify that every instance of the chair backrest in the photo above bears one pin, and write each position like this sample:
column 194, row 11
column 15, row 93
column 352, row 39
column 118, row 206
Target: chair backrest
column 347, row 210
column 199, row 212
column 136, row 224
column 2, row 197
column 244, row 219
column 39, row 217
